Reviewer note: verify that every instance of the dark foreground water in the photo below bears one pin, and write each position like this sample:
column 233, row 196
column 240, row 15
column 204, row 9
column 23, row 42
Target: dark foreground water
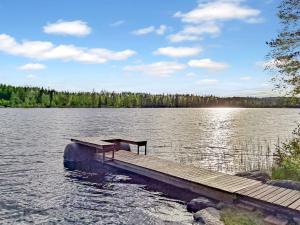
column 35, row 187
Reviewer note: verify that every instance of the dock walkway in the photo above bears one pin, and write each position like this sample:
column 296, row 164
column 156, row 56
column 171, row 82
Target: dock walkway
column 213, row 184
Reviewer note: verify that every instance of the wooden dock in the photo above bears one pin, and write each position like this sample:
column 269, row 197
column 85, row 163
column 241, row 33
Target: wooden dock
column 216, row 185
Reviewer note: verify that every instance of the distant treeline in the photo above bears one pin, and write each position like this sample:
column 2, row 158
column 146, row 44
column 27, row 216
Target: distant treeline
column 12, row 96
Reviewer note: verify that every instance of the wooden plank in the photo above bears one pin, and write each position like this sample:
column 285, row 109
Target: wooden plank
column 124, row 139
column 230, row 183
column 99, row 145
column 272, row 194
column 295, row 204
column 164, row 163
column 167, row 166
column 240, row 182
column 196, row 188
column 279, row 195
column 117, row 138
column 221, row 179
column 271, row 189
column 133, row 139
column 92, row 141
column 288, row 199
column 183, row 176
column 251, row 190
column 194, row 174
column 291, row 200
column 259, row 191
column 240, row 186
column 245, row 190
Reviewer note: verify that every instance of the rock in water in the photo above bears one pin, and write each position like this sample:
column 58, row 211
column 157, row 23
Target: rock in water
column 290, row 184
column 255, row 175
column 197, row 204
column 80, row 157
column 77, row 153
column 208, row 216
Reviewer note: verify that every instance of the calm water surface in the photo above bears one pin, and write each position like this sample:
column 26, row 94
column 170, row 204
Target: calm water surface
column 37, row 188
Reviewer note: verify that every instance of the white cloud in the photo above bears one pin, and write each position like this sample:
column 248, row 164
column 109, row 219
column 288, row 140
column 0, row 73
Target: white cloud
column 191, row 74
column 179, row 37
column 41, row 50
column 245, row 78
column 75, row 28
column 207, row 82
column 32, row 66
column 31, row 77
column 161, row 30
column 206, row 28
column 195, row 32
column 207, row 18
column 117, row 23
column 255, row 20
column 162, row 68
column 178, row 51
column 218, row 10
column 208, row 64
column 146, row 30
column 265, row 84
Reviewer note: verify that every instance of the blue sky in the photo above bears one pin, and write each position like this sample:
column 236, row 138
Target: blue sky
column 171, row 46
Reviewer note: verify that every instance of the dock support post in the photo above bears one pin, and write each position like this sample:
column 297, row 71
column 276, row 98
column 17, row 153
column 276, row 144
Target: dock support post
column 145, row 149
column 138, row 150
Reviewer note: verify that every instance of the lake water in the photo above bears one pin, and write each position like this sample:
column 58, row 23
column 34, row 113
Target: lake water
column 37, row 188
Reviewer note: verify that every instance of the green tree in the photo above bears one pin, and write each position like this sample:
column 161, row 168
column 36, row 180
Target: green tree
column 45, row 100
column 284, row 54
column 14, row 100
column 11, row 96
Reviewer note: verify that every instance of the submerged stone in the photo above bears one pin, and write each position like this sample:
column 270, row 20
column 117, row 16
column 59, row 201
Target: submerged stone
column 208, row 216
column 272, row 220
column 255, row 175
column 75, row 153
column 199, row 203
column 290, row 184
column 297, row 220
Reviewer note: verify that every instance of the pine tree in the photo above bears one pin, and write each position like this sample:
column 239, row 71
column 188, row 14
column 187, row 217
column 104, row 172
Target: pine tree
column 284, row 54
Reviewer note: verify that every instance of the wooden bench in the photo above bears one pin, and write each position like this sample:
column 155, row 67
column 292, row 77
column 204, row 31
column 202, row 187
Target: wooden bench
column 138, row 143
column 107, row 144
column 99, row 145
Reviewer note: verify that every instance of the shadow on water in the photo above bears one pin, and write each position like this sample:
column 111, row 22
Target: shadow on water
column 96, row 173
column 120, row 197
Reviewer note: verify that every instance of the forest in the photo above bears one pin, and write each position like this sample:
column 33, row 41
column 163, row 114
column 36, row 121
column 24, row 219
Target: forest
column 30, row 97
